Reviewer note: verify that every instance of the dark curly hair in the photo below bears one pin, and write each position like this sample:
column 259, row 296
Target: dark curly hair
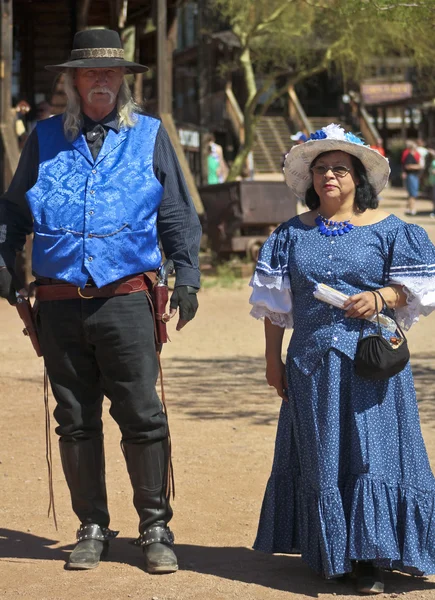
column 365, row 195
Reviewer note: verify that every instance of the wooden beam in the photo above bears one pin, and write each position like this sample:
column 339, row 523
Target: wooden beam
column 9, row 154
column 164, row 104
column 203, row 88
column 169, row 125
column 83, row 14
column 171, row 46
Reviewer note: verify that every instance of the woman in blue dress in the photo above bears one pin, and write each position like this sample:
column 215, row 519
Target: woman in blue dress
column 351, row 487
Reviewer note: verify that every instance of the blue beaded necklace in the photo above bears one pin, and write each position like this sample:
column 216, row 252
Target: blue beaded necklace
column 328, row 227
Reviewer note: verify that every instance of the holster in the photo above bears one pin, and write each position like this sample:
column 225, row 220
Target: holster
column 27, row 314
column 158, row 296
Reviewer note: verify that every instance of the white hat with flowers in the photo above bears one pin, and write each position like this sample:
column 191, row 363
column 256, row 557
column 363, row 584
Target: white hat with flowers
column 329, row 139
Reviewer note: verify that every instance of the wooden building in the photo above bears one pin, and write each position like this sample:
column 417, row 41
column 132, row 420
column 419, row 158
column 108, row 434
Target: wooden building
column 36, row 33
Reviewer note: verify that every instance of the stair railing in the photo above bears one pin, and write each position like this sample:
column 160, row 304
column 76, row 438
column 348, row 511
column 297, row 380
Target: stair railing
column 296, row 112
column 366, row 127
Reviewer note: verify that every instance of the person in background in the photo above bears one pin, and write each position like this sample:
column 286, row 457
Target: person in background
column 218, row 153
column 43, row 111
column 422, row 151
column 411, row 165
column 379, row 146
column 299, row 137
column 424, row 173
column 22, row 110
column 213, row 167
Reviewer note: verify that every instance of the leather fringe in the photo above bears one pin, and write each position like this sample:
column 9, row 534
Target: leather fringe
column 170, row 480
column 48, row 451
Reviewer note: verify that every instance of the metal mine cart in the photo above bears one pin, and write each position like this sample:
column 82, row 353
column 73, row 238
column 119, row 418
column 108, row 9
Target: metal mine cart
column 240, row 215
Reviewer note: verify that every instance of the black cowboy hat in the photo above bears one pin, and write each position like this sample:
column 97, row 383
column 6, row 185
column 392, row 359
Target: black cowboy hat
column 97, row 48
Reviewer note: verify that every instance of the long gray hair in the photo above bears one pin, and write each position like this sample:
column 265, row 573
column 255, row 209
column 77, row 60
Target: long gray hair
column 72, row 118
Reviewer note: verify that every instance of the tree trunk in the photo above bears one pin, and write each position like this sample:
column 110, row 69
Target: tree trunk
column 250, row 121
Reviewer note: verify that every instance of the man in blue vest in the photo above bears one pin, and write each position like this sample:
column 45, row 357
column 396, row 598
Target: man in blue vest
column 99, row 186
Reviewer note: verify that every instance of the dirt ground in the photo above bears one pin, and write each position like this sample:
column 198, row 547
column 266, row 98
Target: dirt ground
column 223, row 420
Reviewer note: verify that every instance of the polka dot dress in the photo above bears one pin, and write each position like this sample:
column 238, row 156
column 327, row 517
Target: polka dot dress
column 351, row 478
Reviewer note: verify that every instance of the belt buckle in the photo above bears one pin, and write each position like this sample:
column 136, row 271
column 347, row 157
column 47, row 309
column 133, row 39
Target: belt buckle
column 84, row 297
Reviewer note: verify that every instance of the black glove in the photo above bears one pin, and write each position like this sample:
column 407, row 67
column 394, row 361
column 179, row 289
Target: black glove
column 7, row 287
column 184, row 298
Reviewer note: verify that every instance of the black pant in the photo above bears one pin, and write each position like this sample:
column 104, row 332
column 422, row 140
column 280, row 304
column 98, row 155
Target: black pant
column 103, row 346
column 106, row 347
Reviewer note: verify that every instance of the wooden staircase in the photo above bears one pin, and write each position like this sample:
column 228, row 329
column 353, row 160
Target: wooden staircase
column 319, row 122
column 271, row 144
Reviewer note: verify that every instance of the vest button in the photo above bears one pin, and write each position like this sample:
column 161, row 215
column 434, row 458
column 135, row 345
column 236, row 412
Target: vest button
column 92, row 191
column 91, row 212
column 94, row 171
column 90, row 258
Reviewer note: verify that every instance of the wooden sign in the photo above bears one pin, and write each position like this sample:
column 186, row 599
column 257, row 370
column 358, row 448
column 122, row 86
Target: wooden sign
column 378, row 93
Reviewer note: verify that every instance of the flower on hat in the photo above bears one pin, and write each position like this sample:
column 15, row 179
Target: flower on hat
column 334, row 132
column 317, row 135
column 350, row 137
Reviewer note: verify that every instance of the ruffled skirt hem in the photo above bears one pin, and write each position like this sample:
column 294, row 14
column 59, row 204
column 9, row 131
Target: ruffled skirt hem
column 390, row 524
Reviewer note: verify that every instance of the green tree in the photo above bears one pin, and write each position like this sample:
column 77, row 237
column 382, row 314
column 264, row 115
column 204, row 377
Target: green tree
column 283, row 42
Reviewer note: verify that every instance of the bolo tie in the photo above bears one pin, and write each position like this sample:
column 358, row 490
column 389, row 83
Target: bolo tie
column 95, row 137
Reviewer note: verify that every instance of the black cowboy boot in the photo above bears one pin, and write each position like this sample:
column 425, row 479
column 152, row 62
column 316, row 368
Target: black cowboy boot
column 147, row 464
column 92, row 546
column 83, row 466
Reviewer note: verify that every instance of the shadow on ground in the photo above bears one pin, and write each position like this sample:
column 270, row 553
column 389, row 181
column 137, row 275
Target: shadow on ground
column 235, row 388
column 278, row 572
column 229, row 388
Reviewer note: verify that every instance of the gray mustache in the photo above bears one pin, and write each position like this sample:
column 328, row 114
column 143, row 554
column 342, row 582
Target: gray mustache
column 103, row 90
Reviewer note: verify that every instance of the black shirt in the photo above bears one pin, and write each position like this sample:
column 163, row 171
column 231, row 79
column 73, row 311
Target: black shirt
column 411, row 160
column 177, row 223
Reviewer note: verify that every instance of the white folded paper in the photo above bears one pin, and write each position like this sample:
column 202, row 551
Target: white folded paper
column 327, row 294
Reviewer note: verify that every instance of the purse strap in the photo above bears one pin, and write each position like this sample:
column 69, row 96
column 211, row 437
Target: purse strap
column 387, row 310
column 361, row 332
column 377, row 311
column 390, row 314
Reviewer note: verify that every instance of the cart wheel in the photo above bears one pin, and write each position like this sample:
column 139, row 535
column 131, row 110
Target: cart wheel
column 253, row 250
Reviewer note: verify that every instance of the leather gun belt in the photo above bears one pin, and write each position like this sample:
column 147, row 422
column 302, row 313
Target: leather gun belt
column 66, row 291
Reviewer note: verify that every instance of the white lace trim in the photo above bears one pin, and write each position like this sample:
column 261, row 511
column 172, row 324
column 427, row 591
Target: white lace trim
column 420, row 297
column 280, row 282
column 284, row 320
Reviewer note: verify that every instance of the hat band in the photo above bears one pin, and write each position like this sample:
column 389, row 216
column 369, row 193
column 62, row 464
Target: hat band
column 97, row 53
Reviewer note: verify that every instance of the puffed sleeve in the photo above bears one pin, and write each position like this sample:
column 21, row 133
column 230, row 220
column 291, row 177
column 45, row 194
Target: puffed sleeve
column 412, row 265
column 271, row 294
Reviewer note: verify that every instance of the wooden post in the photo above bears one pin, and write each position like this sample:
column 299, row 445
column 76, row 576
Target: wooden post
column 82, row 14
column 171, row 46
column 403, row 125
column 164, row 72
column 384, row 124
column 202, row 89
column 164, row 105
column 9, row 142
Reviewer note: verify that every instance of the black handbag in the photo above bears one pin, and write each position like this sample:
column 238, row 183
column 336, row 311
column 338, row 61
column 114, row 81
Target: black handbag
column 378, row 358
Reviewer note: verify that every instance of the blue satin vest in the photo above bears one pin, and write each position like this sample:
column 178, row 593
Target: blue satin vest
column 95, row 218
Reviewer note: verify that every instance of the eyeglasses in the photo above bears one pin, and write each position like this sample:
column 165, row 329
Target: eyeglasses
column 338, row 170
